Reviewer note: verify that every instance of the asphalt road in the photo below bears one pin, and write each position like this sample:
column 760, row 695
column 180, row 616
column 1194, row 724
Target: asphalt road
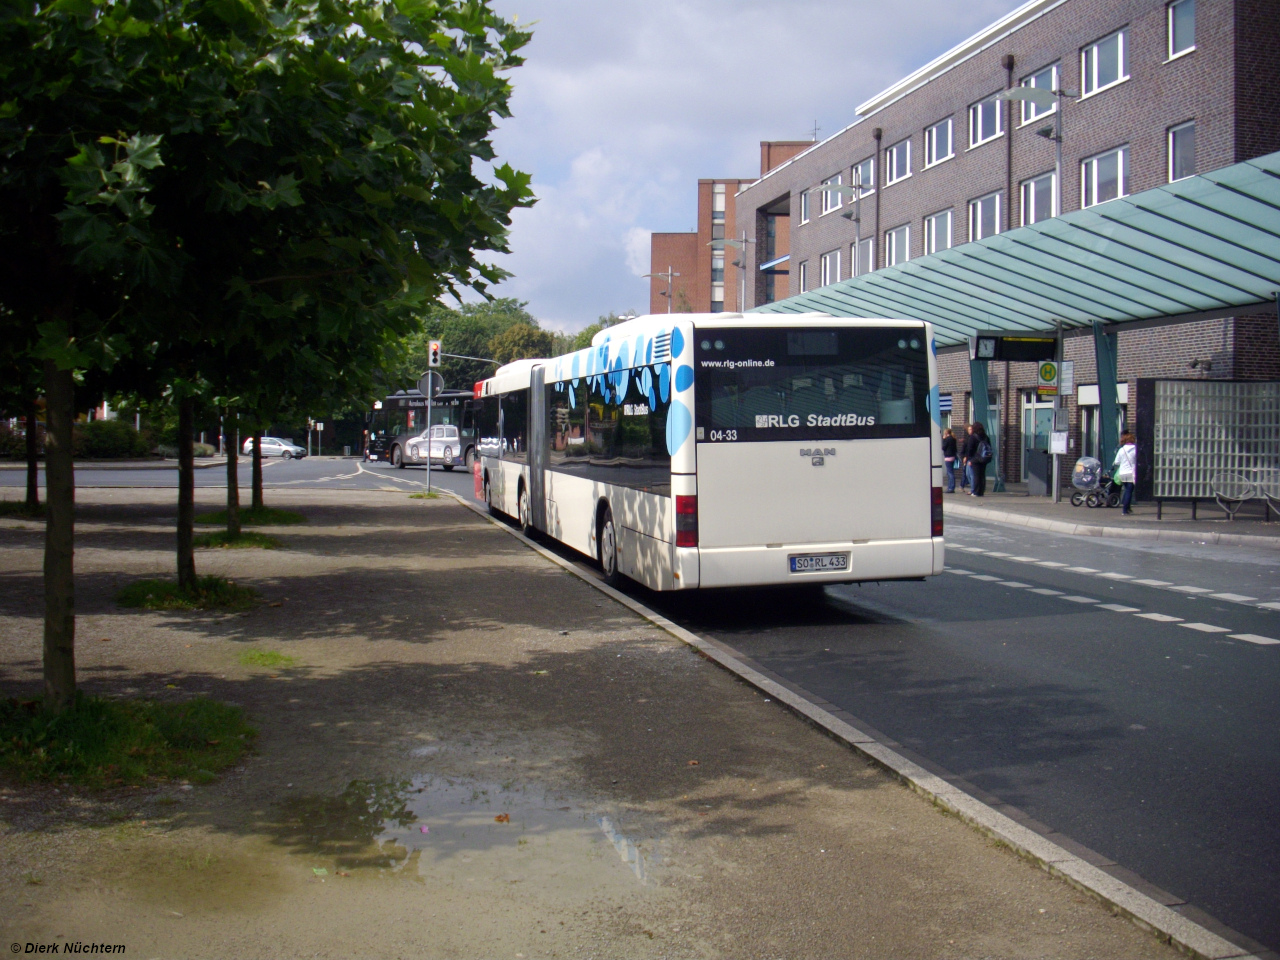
column 1137, row 718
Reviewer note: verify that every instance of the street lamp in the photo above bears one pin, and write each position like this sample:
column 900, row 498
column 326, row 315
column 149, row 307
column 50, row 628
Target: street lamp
column 669, row 276
column 854, row 192
column 741, row 263
column 1046, row 99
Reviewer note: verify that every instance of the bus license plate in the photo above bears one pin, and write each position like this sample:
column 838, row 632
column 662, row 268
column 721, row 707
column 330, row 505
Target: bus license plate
column 818, row 562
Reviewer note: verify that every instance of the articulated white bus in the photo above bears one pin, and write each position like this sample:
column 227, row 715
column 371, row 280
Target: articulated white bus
column 717, row 450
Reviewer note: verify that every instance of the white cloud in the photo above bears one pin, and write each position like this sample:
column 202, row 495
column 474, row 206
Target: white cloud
column 622, row 106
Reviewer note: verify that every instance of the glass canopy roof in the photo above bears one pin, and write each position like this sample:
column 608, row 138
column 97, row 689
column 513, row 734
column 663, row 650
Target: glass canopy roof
column 1204, row 244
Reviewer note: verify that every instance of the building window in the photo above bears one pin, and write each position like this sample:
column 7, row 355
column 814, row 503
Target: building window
column 717, row 296
column 863, row 254
column 1046, row 79
column 1104, row 177
column 717, row 231
column 831, row 199
column 985, row 122
column 937, row 143
column 864, row 176
column 897, row 245
column 717, row 268
column 937, row 232
column 717, row 203
column 1039, row 199
column 984, row 216
column 1104, row 64
column 804, row 207
column 804, row 276
column 830, row 267
column 1182, row 151
column 1182, row 27
column 897, row 162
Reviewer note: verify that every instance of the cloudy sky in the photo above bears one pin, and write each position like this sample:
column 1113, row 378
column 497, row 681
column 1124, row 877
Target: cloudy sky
column 623, row 105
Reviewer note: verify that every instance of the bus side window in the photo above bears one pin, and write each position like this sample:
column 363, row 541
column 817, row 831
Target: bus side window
column 515, row 425
column 488, row 438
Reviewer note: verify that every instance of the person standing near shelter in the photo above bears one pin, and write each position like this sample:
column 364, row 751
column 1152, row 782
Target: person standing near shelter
column 1125, row 470
column 949, row 453
column 977, row 454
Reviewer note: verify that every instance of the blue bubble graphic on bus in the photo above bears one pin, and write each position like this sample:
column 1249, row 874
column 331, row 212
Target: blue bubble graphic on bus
column 935, row 405
column 677, row 343
column 679, row 422
column 664, row 382
column 684, row 377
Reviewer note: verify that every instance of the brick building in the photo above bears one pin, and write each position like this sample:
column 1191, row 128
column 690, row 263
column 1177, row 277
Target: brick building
column 1159, row 91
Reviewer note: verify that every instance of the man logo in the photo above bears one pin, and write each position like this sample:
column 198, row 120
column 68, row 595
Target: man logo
column 819, row 461
column 817, row 452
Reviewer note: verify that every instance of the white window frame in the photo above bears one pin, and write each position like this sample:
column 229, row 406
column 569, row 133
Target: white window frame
column 1087, row 75
column 1169, row 148
column 1089, row 175
column 831, row 199
column 829, row 268
column 1031, row 112
column 895, row 240
column 868, row 186
column 931, row 156
column 855, row 255
column 717, row 288
column 1175, row 54
column 975, row 111
column 931, row 232
column 804, row 206
column 803, row 275
column 975, row 205
column 1026, row 192
column 891, row 172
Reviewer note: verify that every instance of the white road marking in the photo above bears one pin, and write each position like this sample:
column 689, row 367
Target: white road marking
column 1117, row 576
column 1270, row 606
column 1160, row 617
column 1080, row 599
column 1081, row 570
column 992, row 553
column 1236, row 597
column 1046, row 592
column 1118, row 608
column 966, row 549
column 1049, row 563
column 1254, row 638
column 985, row 576
column 1015, row 583
column 1205, row 627
column 963, row 573
column 1190, row 589
column 1154, row 583
column 1026, row 559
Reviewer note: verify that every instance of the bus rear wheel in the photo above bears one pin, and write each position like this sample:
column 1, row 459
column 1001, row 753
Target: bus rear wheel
column 470, row 458
column 608, row 547
column 488, row 498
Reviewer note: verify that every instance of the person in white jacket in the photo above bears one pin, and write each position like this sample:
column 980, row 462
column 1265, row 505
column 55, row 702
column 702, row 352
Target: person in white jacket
column 1125, row 470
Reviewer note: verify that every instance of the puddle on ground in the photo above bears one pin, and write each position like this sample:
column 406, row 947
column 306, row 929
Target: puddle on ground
column 450, row 829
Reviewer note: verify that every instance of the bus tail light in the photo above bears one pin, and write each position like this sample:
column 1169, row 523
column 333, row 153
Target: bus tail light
column 936, row 511
column 686, row 521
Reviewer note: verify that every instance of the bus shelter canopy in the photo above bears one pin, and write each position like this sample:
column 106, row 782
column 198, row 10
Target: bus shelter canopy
column 1200, row 246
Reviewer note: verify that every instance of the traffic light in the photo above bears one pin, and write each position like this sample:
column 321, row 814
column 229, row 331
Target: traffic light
column 433, row 353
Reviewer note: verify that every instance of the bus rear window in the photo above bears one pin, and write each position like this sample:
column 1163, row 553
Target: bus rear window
column 824, row 383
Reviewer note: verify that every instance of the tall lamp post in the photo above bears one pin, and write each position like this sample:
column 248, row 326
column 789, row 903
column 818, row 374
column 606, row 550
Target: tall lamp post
column 854, row 193
column 739, row 244
column 669, row 276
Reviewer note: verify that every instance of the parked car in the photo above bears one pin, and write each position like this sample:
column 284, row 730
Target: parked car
column 275, row 447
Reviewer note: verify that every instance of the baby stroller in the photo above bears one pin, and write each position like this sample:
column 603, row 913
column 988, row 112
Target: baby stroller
column 1093, row 487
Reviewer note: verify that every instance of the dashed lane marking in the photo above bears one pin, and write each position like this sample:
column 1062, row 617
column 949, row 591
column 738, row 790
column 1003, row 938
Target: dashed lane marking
column 1254, row 638
column 1205, row 627
column 1154, row 583
column 1050, row 563
column 985, row 576
column 993, row 553
column 1270, row 606
column 1235, row 597
column 1046, row 592
column 1118, row 608
column 1191, row 589
column 963, row 573
column 1080, row 599
column 1026, row 559
column 1118, row 576
column 1081, row 570
column 1016, row 584
column 1160, row 617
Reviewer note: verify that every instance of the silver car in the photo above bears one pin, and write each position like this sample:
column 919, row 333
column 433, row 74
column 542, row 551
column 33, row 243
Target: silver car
column 275, row 447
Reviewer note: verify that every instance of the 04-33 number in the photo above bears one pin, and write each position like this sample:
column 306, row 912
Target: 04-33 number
column 724, row 435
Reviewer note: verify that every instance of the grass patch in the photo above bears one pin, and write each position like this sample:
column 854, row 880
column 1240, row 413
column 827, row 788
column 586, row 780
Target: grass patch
column 210, row 593
column 248, row 540
column 266, row 517
column 18, row 508
column 425, row 495
column 101, row 743
column 266, row 658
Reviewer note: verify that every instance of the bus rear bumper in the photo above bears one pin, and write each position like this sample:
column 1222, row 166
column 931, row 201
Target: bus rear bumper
column 875, row 560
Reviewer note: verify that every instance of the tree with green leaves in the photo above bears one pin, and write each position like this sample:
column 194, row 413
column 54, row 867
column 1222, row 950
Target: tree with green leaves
column 190, row 182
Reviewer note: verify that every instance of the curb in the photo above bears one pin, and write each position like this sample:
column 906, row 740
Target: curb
column 1163, row 922
column 1098, row 530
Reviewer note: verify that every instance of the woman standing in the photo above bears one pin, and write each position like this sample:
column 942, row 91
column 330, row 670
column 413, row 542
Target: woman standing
column 1125, row 470
column 977, row 454
column 949, row 458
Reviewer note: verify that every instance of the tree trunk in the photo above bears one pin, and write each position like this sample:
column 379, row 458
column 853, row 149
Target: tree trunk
column 233, row 475
column 33, row 460
column 59, row 541
column 257, row 469
column 186, row 494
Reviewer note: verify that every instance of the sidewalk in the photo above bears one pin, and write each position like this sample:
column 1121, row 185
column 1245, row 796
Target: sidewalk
column 476, row 754
column 201, row 463
column 1041, row 513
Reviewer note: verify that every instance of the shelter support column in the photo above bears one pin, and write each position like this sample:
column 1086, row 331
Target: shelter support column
column 1104, row 348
